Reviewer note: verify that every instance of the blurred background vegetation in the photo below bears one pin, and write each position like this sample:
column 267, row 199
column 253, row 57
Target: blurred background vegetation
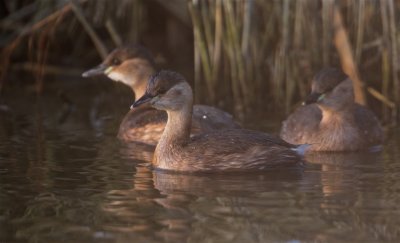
column 245, row 56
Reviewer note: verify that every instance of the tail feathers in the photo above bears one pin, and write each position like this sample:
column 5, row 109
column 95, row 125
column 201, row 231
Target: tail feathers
column 301, row 149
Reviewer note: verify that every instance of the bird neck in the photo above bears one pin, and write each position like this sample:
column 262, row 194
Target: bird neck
column 140, row 88
column 177, row 130
column 336, row 117
column 175, row 136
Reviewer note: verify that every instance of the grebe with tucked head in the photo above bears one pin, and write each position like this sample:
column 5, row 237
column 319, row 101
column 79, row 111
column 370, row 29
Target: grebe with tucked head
column 216, row 151
column 133, row 65
column 330, row 119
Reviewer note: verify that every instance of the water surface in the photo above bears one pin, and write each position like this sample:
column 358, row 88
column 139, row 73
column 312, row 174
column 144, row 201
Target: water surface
column 65, row 177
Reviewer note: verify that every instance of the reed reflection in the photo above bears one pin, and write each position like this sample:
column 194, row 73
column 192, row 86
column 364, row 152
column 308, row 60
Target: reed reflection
column 353, row 193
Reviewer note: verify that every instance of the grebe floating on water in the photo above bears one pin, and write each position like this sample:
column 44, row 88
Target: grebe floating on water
column 133, row 65
column 216, row 151
column 331, row 120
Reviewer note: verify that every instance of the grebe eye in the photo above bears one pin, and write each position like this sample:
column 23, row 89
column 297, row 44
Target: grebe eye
column 161, row 91
column 116, row 61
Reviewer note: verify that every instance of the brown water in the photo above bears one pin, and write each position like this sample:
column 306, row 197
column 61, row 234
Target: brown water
column 64, row 177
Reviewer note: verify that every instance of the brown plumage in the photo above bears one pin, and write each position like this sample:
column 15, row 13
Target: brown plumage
column 146, row 124
column 331, row 120
column 216, row 151
column 133, row 65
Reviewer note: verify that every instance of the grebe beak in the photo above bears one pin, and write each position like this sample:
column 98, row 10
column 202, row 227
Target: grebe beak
column 144, row 99
column 312, row 98
column 99, row 70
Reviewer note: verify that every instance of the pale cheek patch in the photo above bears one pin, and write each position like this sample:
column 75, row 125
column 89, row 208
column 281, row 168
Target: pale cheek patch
column 118, row 77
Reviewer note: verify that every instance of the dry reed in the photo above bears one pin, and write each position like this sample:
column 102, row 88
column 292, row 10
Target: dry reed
column 249, row 55
column 271, row 49
column 41, row 21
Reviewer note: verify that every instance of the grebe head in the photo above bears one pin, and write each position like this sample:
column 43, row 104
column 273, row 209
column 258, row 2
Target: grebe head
column 331, row 88
column 128, row 64
column 327, row 79
column 167, row 90
column 324, row 82
column 341, row 97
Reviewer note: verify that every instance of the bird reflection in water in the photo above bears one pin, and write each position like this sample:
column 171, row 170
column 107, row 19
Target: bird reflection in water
column 170, row 206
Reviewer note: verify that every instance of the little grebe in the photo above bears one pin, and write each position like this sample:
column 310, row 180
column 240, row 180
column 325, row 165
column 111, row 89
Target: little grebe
column 216, row 151
column 133, row 65
column 330, row 119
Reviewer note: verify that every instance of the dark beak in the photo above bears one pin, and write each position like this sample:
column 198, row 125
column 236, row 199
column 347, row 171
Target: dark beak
column 144, row 99
column 312, row 98
column 99, row 70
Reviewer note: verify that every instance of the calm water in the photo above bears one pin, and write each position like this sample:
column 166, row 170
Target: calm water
column 65, row 177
